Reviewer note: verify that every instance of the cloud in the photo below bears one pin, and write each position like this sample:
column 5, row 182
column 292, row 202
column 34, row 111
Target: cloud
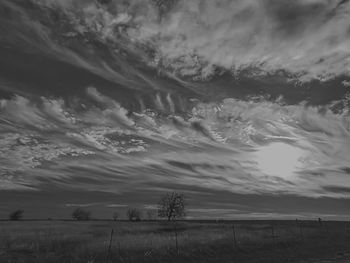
column 337, row 189
column 7, row 183
column 43, row 114
column 196, row 38
column 21, row 110
column 309, row 38
column 346, row 83
column 116, row 205
column 304, row 37
column 55, row 110
column 113, row 111
column 20, row 152
column 151, row 207
column 217, row 145
column 83, row 205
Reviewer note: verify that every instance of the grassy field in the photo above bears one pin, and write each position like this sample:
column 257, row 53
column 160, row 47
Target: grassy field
column 88, row 242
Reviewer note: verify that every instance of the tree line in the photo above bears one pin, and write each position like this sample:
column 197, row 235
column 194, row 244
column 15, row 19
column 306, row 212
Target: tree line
column 171, row 206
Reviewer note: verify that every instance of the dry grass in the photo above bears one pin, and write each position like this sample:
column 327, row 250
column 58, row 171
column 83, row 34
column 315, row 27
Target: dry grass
column 87, row 242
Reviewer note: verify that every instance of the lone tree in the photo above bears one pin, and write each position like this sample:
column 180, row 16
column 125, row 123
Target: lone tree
column 172, row 206
column 81, row 214
column 133, row 214
column 16, row 215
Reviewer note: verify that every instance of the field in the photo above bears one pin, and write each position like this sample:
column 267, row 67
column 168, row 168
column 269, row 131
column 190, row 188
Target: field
column 249, row 241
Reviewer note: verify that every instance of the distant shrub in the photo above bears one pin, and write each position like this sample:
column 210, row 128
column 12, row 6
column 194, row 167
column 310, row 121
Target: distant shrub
column 115, row 216
column 16, row 215
column 171, row 206
column 151, row 214
column 133, row 214
column 81, row 214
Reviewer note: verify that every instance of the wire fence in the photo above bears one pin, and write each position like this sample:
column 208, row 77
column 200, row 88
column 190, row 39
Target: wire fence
column 120, row 238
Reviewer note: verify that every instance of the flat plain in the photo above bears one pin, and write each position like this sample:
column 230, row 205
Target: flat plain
column 61, row 241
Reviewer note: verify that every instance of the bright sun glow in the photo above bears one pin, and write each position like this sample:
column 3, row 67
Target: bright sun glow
column 279, row 159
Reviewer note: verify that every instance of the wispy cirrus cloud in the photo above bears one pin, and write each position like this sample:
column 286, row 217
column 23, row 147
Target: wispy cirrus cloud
column 233, row 147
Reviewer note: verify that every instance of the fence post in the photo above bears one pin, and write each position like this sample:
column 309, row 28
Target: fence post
column 326, row 227
column 176, row 243
column 109, row 246
column 301, row 232
column 273, row 235
column 235, row 245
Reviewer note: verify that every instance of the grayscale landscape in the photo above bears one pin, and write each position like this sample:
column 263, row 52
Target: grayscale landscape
column 174, row 131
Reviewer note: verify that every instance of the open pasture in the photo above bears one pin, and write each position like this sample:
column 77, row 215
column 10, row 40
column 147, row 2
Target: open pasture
column 154, row 241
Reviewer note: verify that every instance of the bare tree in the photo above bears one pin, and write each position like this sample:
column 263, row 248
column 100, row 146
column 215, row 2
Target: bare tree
column 115, row 216
column 16, row 215
column 133, row 214
column 172, row 206
column 81, row 214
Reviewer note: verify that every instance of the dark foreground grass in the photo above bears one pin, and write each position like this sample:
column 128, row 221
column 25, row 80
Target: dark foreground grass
column 88, row 242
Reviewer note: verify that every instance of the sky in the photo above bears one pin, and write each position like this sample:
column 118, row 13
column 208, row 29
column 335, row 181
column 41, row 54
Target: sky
column 242, row 106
